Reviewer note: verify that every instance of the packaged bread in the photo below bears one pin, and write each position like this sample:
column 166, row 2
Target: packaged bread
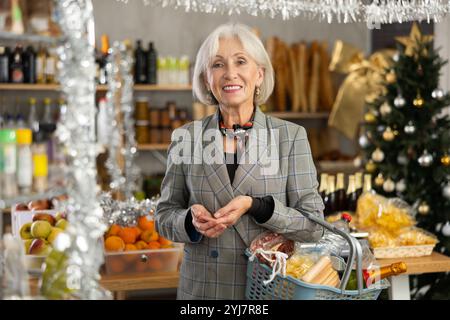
column 322, row 273
column 297, row 265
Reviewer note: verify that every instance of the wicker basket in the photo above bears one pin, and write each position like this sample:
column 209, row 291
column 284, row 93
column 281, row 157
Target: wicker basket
column 403, row 252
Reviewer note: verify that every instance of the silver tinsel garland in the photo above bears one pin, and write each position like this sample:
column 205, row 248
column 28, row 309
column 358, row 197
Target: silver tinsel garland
column 76, row 131
column 125, row 213
column 120, row 117
column 343, row 11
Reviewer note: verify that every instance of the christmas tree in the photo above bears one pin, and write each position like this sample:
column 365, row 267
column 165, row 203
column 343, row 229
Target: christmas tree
column 406, row 145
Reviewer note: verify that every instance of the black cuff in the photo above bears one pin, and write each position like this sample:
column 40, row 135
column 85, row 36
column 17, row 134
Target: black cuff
column 193, row 234
column 262, row 209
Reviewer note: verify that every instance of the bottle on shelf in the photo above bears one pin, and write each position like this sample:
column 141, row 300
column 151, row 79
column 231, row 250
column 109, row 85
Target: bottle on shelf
column 17, row 25
column 375, row 275
column 102, row 60
column 152, row 60
column 29, row 65
column 358, row 183
column 40, row 164
column 341, row 197
column 16, row 69
column 330, row 202
column 140, row 75
column 41, row 58
column 103, row 134
column 323, row 185
column 4, row 64
column 161, row 72
column 47, row 127
column 50, row 67
column 184, row 70
column 367, row 183
column 24, row 160
column 33, row 122
column 8, row 163
column 352, row 196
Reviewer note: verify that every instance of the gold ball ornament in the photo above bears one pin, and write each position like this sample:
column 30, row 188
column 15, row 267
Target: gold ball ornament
column 370, row 117
column 385, row 109
column 424, row 208
column 378, row 155
column 445, row 160
column 388, row 135
column 379, row 180
column 371, row 166
column 391, row 77
column 418, row 101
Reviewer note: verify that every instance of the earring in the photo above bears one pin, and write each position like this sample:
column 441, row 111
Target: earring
column 257, row 91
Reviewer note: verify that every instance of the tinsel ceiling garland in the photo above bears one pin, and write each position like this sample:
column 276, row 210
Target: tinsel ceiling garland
column 120, row 117
column 342, row 11
column 76, row 131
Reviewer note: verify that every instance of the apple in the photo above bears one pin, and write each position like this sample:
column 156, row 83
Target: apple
column 27, row 244
column 54, row 234
column 41, row 229
column 39, row 247
column 61, row 224
column 60, row 215
column 25, row 231
column 44, row 217
column 38, row 205
column 22, row 207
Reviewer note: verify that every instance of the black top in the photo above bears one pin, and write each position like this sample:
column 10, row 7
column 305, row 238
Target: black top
column 261, row 209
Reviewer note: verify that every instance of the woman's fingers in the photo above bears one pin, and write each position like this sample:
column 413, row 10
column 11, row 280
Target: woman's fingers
column 216, row 231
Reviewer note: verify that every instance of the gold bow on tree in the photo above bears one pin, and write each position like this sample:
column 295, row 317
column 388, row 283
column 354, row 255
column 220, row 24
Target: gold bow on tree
column 362, row 84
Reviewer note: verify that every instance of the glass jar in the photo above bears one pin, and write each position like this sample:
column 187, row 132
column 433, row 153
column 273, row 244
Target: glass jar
column 24, row 160
column 40, row 167
column 8, row 164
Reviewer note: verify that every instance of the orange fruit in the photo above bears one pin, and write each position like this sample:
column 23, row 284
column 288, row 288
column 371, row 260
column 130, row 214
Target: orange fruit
column 141, row 245
column 155, row 264
column 154, row 245
column 113, row 230
column 128, row 235
column 149, row 236
column 137, row 231
column 130, row 247
column 114, row 243
column 164, row 242
column 146, row 223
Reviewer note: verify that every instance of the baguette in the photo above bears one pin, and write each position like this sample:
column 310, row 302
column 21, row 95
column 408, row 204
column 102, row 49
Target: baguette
column 280, row 84
column 303, row 75
column 331, row 278
column 326, row 94
column 293, row 63
column 326, row 273
column 314, row 79
column 316, row 269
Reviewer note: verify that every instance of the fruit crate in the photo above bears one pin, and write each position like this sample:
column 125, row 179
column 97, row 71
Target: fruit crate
column 143, row 261
column 19, row 218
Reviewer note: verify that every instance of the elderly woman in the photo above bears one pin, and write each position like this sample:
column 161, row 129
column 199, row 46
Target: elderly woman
column 217, row 207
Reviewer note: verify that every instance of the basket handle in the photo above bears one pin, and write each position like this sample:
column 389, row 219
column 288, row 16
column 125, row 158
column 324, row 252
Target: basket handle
column 355, row 252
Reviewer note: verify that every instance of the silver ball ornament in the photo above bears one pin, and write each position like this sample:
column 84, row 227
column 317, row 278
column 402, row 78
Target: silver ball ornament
column 437, row 94
column 410, row 128
column 399, row 101
column 363, row 141
column 426, row 159
column 389, row 185
column 400, row 186
column 446, row 191
column 446, row 229
column 424, row 208
column 385, row 109
column 402, row 159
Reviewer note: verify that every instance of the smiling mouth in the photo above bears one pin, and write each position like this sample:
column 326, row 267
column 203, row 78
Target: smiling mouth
column 232, row 88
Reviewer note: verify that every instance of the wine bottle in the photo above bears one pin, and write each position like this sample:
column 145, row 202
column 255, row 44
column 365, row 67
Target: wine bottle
column 152, row 58
column 4, row 64
column 341, row 198
column 358, row 183
column 367, row 183
column 140, row 64
column 16, row 67
column 41, row 59
column 323, row 185
column 330, row 205
column 352, row 196
column 29, row 65
column 375, row 275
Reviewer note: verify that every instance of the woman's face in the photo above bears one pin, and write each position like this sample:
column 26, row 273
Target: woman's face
column 233, row 74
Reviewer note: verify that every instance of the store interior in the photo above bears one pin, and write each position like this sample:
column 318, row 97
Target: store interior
column 313, row 89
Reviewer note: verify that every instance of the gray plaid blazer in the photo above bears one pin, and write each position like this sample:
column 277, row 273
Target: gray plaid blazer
column 216, row 268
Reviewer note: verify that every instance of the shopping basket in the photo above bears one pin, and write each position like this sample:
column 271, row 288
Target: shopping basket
column 289, row 288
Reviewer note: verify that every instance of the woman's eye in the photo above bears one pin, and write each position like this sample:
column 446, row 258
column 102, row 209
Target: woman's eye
column 217, row 65
column 242, row 61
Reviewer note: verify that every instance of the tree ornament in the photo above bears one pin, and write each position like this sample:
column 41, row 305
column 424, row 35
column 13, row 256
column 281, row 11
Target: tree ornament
column 379, row 180
column 400, row 186
column 420, row 70
column 446, row 229
column 385, row 109
column 426, row 159
column 388, row 135
column 381, row 128
column 357, row 162
column 371, row 166
column 424, row 208
column 363, row 141
column 402, row 159
column 418, row 101
column 389, row 185
column 399, row 101
column 369, row 117
column 437, row 94
column 396, row 57
column 378, row 155
column 446, row 191
column 445, row 160
column 391, row 77
column 411, row 43
column 410, row 128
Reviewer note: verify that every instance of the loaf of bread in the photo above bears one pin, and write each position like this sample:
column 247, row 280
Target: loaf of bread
column 303, row 75
column 326, row 94
column 314, row 77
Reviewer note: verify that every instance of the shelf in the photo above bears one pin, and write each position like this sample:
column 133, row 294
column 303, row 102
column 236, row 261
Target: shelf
column 153, row 147
column 299, row 115
column 28, row 38
column 5, row 203
column 57, row 87
column 337, row 166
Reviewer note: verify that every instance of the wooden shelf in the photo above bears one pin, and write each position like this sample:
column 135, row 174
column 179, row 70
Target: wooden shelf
column 56, row 87
column 436, row 262
column 9, row 36
column 299, row 115
column 153, row 147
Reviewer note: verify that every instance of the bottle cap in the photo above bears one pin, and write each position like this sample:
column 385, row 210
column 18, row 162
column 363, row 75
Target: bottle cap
column 24, row 136
column 47, row 101
column 346, row 217
column 32, row 100
column 7, row 136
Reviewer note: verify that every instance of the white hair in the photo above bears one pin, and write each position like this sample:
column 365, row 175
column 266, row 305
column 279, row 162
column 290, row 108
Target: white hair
column 251, row 44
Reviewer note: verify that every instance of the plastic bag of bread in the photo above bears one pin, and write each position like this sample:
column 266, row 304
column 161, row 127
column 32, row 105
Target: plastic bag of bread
column 392, row 215
column 379, row 238
column 297, row 265
column 415, row 237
